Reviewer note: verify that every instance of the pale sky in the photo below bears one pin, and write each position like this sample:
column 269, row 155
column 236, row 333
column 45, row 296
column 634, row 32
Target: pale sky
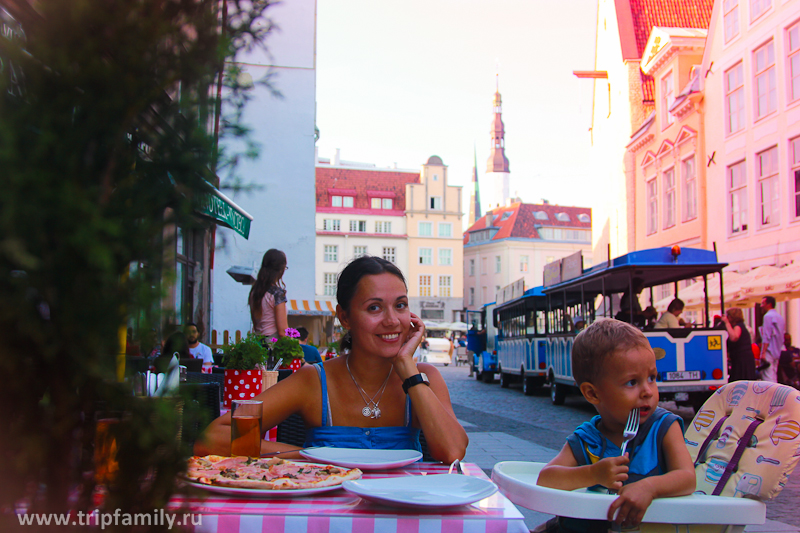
column 398, row 82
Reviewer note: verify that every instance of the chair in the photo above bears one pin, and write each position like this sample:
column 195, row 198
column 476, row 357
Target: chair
column 192, row 365
column 743, row 442
column 292, row 431
column 200, row 377
column 202, row 407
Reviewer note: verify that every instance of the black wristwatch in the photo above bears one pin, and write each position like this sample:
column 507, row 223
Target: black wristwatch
column 415, row 380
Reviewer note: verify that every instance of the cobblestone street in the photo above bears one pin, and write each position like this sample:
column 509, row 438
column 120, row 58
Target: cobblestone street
column 505, row 425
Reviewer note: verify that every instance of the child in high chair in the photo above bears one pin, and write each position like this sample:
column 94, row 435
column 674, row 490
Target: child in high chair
column 615, row 367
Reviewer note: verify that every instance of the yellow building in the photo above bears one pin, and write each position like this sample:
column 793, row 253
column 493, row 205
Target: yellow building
column 435, row 252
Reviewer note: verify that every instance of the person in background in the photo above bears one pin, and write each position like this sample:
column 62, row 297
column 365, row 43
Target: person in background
column 267, row 299
column 739, row 344
column 176, row 345
column 629, row 306
column 578, row 323
column 772, row 332
column 670, row 318
column 310, row 353
column 787, row 366
column 197, row 348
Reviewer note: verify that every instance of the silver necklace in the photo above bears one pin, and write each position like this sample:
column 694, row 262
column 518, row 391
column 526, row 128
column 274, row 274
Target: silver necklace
column 371, row 409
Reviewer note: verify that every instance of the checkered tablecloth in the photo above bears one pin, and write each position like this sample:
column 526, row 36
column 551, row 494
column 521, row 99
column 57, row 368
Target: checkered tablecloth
column 342, row 512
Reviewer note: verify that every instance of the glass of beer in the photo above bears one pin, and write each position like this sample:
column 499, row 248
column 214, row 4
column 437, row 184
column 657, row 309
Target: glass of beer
column 246, row 428
column 105, row 448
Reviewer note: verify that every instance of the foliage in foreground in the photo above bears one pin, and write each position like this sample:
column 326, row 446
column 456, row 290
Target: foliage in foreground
column 106, row 138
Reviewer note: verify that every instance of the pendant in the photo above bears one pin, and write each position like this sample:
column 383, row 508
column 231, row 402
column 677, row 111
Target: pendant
column 376, row 412
column 366, row 411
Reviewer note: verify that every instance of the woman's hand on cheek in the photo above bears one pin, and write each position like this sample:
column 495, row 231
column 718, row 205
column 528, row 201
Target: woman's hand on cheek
column 405, row 357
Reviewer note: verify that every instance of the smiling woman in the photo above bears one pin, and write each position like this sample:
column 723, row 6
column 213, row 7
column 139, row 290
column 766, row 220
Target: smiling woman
column 375, row 396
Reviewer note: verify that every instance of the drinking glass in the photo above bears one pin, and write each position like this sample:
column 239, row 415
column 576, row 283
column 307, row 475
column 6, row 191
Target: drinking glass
column 246, row 428
column 105, row 448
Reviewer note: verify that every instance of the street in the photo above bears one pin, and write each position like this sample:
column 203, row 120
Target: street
column 505, row 425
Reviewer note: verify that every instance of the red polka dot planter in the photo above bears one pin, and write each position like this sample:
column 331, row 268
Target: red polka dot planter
column 241, row 385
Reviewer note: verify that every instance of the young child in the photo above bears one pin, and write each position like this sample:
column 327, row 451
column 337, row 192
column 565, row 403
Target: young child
column 616, row 370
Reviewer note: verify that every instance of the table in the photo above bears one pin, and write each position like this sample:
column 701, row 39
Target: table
column 342, row 512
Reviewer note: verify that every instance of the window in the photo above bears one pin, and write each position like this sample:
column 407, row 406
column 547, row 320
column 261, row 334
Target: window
column 497, row 264
column 445, row 257
column 375, row 203
column 758, row 7
column 445, row 229
column 358, row 251
column 540, row 215
column 652, row 207
column 796, row 174
column 667, row 94
column 689, row 175
column 425, row 229
column 426, row 256
column 444, row 286
column 386, row 203
column 331, row 253
column 737, row 184
column 380, row 203
column 341, row 201
column 390, row 253
column 767, row 174
column 669, row 198
column 764, row 90
column 484, row 270
column 424, row 285
column 436, row 203
column 563, row 217
column 549, row 259
column 734, row 99
column 472, row 261
column 329, row 284
column 358, row 226
column 794, row 62
column 731, row 18
column 383, row 227
column 523, row 263
column 329, row 224
column 472, row 296
column 583, row 217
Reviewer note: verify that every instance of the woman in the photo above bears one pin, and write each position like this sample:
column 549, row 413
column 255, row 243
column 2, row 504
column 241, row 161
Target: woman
column 740, row 352
column 358, row 400
column 176, row 345
column 267, row 299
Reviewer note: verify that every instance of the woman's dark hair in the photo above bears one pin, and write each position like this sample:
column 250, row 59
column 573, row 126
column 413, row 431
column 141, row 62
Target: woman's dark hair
column 272, row 266
column 175, row 343
column 366, row 265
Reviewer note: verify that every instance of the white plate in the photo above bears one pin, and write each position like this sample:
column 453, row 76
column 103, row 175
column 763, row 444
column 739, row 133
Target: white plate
column 431, row 492
column 365, row 459
column 260, row 493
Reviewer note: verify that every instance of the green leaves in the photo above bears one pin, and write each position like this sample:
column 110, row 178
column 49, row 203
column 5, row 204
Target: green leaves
column 246, row 354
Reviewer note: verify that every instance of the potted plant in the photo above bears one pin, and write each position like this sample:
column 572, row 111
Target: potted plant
column 287, row 350
column 243, row 368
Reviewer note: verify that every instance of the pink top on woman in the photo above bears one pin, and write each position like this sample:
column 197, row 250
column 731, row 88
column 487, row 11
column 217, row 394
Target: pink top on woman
column 266, row 325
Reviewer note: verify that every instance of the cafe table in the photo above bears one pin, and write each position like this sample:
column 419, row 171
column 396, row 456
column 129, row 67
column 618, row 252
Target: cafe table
column 339, row 511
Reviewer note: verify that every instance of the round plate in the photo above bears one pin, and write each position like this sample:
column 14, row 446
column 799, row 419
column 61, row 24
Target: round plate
column 429, row 492
column 260, row 493
column 365, row 459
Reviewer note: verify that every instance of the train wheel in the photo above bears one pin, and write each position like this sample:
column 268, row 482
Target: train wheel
column 505, row 380
column 557, row 393
column 528, row 387
column 488, row 377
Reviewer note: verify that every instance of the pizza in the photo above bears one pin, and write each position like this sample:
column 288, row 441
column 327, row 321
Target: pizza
column 265, row 474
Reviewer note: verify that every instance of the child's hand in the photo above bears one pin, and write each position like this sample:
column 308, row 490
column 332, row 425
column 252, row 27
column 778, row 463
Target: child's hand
column 633, row 501
column 611, row 472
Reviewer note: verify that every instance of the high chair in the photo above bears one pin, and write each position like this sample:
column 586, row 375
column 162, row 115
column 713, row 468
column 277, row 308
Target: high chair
column 745, row 441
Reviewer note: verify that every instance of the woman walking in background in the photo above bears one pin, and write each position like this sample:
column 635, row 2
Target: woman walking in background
column 267, row 298
column 740, row 351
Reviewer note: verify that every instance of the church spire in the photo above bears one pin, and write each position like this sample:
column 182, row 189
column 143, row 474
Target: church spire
column 475, row 197
column 498, row 162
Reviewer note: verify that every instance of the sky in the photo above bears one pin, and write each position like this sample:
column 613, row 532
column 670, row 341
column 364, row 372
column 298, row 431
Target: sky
column 398, row 82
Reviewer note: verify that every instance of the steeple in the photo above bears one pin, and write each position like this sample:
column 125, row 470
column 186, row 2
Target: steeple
column 497, row 157
column 475, row 197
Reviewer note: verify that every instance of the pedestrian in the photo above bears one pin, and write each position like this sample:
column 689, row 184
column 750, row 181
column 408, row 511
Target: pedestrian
column 739, row 344
column 787, row 367
column 310, row 353
column 197, row 348
column 772, row 331
column 267, row 299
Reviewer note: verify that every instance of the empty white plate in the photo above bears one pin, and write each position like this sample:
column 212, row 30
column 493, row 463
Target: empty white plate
column 360, row 458
column 431, row 492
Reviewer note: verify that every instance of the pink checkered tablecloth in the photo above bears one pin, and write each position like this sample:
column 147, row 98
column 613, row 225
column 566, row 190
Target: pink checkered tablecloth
column 342, row 512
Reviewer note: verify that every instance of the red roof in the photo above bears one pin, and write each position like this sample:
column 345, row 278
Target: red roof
column 521, row 221
column 362, row 182
column 646, row 14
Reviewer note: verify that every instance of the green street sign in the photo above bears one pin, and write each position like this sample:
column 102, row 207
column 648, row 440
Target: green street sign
column 221, row 208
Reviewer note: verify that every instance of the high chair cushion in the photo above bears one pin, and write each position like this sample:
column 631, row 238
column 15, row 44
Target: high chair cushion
column 769, row 413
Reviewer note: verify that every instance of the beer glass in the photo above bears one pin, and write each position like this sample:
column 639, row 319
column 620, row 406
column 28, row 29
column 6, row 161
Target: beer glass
column 246, row 428
column 105, row 448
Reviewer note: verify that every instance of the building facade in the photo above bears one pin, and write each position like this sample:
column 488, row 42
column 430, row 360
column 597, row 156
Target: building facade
column 517, row 241
column 433, row 216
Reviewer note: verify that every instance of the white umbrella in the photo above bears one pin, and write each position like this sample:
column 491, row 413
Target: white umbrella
column 429, row 324
column 782, row 284
column 459, row 326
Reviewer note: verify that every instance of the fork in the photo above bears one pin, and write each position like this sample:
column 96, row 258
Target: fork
column 457, row 465
column 631, row 429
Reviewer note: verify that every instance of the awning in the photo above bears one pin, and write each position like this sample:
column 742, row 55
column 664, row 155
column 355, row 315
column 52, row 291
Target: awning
column 311, row 308
column 225, row 211
column 782, row 284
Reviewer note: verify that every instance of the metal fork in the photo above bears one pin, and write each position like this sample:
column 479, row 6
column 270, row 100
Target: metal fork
column 631, row 429
column 457, row 465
